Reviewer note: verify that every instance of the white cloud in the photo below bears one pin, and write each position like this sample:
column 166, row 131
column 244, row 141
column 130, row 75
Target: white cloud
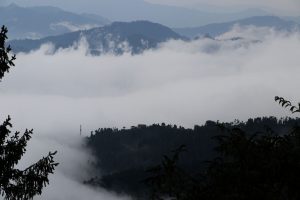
column 72, row 27
column 116, row 86
column 182, row 83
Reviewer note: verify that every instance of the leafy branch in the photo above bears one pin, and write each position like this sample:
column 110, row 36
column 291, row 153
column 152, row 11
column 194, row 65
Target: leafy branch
column 287, row 104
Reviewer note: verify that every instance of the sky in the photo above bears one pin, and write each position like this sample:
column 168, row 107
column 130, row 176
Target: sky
column 285, row 7
column 172, row 13
column 282, row 7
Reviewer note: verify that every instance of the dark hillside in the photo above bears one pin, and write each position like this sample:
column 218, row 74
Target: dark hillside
column 125, row 154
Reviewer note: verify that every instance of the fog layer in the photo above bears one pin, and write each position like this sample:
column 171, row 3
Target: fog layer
column 183, row 83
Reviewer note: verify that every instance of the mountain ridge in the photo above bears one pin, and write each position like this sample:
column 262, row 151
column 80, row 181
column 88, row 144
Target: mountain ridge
column 216, row 29
column 42, row 21
column 113, row 38
column 129, row 10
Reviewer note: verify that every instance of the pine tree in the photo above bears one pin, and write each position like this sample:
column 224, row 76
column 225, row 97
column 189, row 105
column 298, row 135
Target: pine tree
column 18, row 184
column 6, row 61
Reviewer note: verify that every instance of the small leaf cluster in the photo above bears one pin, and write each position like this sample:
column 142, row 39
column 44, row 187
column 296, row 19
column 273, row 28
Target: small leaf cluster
column 287, row 104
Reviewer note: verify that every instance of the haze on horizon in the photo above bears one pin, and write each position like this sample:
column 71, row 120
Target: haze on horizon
column 287, row 7
column 174, row 13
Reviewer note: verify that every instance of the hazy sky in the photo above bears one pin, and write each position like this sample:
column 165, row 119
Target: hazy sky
column 280, row 6
column 283, row 7
column 185, row 13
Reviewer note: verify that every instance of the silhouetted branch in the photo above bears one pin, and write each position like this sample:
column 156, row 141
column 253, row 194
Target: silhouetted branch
column 287, row 104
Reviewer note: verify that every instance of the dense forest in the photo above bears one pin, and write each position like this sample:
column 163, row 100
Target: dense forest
column 127, row 157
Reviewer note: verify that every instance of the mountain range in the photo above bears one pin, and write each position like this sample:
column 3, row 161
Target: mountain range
column 42, row 21
column 130, row 10
column 216, row 29
column 116, row 38
column 137, row 36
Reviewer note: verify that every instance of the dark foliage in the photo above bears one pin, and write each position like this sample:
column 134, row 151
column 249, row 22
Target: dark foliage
column 169, row 180
column 6, row 61
column 15, row 183
column 264, row 165
column 288, row 104
column 124, row 155
column 18, row 184
column 260, row 166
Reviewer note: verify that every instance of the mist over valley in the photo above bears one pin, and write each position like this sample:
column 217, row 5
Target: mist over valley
column 113, row 97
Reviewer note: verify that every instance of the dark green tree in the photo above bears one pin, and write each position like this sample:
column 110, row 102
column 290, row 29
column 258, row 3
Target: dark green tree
column 264, row 165
column 170, row 181
column 6, row 61
column 18, row 184
column 259, row 166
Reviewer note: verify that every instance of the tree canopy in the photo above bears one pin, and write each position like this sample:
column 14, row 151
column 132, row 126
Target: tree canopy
column 264, row 165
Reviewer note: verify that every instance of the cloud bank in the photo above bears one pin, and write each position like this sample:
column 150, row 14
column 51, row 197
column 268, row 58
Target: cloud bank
column 183, row 83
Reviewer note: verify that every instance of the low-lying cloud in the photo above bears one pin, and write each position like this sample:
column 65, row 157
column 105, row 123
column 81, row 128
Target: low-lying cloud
column 184, row 83
column 72, row 27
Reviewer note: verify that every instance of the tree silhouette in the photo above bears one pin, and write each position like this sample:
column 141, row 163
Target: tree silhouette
column 15, row 183
column 170, row 181
column 6, row 61
column 287, row 104
column 263, row 165
column 259, row 166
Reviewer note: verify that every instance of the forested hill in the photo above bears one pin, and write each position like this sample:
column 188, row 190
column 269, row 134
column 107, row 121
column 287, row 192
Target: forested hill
column 124, row 153
column 116, row 38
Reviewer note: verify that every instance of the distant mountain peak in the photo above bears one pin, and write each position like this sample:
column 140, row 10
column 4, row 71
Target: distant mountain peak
column 42, row 21
column 117, row 38
column 216, row 29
